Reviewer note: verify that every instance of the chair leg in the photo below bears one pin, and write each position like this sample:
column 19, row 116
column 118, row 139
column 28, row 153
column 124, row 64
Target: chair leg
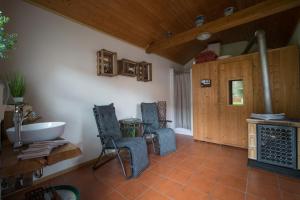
column 119, row 157
column 153, row 145
column 121, row 162
column 96, row 166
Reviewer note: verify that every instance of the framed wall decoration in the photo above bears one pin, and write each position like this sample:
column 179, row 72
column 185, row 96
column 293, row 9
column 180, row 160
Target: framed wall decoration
column 144, row 71
column 106, row 63
column 127, row 67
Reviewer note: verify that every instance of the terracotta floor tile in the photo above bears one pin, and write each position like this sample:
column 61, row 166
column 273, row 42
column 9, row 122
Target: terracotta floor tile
column 111, row 179
column 132, row 189
column 155, row 157
column 189, row 165
column 215, row 163
column 179, row 175
column 181, row 155
column 222, row 192
column 269, row 192
column 264, row 177
column 162, row 169
column 150, row 179
column 289, row 178
column 233, row 181
column 114, row 196
column 196, row 171
column 187, row 193
column 209, row 173
column 94, row 191
column 201, row 184
column 235, row 170
column 80, row 179
column 289, row 185
column 172, row 161
column 152, row 195
column 253, row 197
column 167, row 187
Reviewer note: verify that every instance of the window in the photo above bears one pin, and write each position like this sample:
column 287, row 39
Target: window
column 236, row 92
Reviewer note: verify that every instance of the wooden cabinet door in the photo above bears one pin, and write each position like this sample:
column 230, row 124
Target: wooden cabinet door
column 205, row 103
column 233, row 126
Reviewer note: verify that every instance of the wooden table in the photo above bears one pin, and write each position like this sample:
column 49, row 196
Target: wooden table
column 11, row 166
column 131, row 124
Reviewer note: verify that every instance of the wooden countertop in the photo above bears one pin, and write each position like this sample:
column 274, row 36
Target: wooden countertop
column 294, row 123
column 11, row 166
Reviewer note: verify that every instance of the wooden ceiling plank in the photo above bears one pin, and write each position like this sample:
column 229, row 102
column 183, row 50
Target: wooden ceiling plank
column 247, row 15
column 130, row 14
column 87, row 13
column 125, row 24
column 162, row 12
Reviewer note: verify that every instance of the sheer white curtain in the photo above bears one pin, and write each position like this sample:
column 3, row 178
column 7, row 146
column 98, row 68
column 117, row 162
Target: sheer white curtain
column 182, row 93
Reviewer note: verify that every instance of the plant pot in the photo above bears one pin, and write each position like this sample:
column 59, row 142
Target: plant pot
column 18, row 99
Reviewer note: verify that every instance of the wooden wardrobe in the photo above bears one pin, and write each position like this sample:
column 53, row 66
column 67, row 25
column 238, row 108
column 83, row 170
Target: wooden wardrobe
column 216, row 120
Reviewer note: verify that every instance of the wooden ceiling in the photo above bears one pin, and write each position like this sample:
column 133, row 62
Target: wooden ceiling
column 142, row 22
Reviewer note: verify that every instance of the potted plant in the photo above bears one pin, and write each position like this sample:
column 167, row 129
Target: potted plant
column 16, row 84
column 7, row 41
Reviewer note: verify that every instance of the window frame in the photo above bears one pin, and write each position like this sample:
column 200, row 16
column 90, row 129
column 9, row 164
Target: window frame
column 230, row 92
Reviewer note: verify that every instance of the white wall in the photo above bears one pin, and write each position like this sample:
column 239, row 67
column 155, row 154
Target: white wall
column 58, row 58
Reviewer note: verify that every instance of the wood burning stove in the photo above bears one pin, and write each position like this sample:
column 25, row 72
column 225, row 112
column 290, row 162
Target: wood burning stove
column 273, row 140
column 274, row 145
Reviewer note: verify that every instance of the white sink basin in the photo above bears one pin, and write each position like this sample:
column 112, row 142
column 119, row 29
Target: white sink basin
column 37, row 132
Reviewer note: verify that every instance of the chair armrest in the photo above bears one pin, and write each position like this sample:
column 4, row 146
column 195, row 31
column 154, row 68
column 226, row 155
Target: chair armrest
column 106, row 137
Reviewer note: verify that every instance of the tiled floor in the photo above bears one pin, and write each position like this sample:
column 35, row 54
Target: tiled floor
column 196, row 171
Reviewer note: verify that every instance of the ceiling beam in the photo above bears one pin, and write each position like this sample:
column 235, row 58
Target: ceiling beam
column 258, row 11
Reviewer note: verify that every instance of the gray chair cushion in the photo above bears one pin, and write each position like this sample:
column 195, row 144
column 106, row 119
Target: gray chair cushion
column 108, row 127
column 107, row 120
column 150, row 115
column 167, row 140
column 166, row 136
column 139, row 153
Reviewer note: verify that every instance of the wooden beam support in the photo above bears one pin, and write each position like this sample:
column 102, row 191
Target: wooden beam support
column 258, row 11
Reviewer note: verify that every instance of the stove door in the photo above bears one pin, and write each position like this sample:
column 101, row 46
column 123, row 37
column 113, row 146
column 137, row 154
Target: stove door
column 276, row 145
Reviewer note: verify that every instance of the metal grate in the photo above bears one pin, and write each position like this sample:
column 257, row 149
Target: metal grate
column 277, row 145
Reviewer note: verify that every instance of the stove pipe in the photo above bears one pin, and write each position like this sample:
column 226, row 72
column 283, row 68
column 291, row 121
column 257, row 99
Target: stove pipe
column 260, row 34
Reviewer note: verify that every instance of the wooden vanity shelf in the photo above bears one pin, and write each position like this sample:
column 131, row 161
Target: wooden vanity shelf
column 107, row 63
column 144, row 71
column 127, row 67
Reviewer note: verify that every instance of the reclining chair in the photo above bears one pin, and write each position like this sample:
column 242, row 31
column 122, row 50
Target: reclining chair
column 163, row 139
column 111, row 139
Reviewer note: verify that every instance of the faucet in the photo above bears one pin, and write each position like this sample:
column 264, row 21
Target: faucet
column 18, row 120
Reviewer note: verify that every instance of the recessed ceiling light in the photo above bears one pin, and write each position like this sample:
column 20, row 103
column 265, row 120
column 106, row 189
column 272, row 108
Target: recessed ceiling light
column 169, row 34
column 204, row 36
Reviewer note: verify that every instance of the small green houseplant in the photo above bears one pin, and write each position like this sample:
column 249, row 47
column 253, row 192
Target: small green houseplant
column 16, row 84
column 7, row 41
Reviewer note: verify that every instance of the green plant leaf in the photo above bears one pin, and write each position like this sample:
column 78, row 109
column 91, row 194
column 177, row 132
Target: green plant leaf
column 16, row 84
column 7, row 41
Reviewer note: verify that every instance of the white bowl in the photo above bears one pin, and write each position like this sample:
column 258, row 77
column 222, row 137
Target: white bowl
column 37, row 132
